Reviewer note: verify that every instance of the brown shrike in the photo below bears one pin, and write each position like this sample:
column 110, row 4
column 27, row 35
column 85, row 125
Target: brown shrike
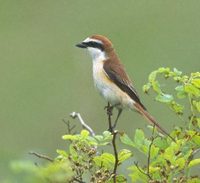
column 111, row 80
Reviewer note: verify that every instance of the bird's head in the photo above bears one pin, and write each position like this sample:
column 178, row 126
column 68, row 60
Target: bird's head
column 98, row 46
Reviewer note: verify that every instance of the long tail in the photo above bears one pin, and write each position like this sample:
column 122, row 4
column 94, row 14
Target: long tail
column 150, row 119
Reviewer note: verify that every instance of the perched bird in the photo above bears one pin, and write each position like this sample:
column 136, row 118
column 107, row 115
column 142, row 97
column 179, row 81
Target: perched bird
column 111, row 79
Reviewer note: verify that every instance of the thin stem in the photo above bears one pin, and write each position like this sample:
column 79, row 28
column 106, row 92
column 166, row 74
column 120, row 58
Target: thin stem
column 41, row 156
column 116, row 155
column 149, row 152
column 69, row 127
column 136, row 164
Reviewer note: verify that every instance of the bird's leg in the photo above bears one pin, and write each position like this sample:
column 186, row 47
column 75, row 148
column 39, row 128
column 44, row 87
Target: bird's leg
column 118, row 115
column 109, row 109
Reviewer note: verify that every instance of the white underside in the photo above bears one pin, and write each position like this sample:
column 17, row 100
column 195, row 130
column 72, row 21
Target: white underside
column 111, row 92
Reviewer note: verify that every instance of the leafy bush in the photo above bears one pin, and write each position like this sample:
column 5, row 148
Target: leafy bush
column 88, row 158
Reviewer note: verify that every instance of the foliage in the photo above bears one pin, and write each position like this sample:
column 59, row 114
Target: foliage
column 86, row 161
column 88, row 157
column 57, row 171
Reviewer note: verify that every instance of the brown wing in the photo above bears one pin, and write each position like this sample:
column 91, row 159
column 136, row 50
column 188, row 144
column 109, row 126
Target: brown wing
column 118, row 75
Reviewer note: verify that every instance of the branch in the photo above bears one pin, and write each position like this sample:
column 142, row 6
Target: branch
column 149, row 151
column 41, row 156
column 116, row 156
column 77, row 115
column 149, row 156
column 69, row 127
column 114, row 133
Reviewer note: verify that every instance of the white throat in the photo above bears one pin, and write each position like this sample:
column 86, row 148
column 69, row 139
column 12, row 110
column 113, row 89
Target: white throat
column 97, row 54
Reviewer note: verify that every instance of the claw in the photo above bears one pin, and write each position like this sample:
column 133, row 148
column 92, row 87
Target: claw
column 109, row 109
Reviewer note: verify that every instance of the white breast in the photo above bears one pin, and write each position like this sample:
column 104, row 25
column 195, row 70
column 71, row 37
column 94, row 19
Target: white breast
column 103, row 84
column 111, row 92
column 108, row 89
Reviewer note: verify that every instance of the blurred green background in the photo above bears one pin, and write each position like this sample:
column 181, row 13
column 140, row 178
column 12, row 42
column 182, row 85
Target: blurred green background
column 44, row 77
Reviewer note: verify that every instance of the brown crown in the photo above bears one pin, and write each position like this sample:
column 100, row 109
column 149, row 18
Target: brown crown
column 106, row 42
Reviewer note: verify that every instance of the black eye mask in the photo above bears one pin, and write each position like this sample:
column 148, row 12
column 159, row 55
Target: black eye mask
column 91, row 44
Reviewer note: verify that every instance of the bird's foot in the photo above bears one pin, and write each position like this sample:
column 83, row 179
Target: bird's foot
column 109, row 109
column 111, row 129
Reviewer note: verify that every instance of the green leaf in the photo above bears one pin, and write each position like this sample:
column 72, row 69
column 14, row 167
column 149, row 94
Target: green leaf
column 121, row 179
column 161, row 143
column 164, row 70
column 107, row 136
column 139, row 137
column 177, row 72
column 196, row 82
column 169, row 153
column 194, row 162
column 177, row 107
column 191, row 89
column 196, row 139
column 195, row 74
column 62, row 153
column 106, row 160
column 104, row 139
column 180, row 162
column 146, row 87
column 154, row 151
column 124, row 154
column 137, row 176
column 164, row 98
column 73, row 152
column 92, row 141
column 198, row 122
column 98, row 137
column 154, row 169
column 70, row 137
column 85, row 134
column 180, row 91
column 152, row 76
column 156, row 87
column 197, row 105
column 126, row 140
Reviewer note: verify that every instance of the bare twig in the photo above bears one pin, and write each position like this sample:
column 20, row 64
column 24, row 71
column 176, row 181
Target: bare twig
column 149, row 156
column 114, row 133
column 77, row 115
column 116, row 156
column 41, row 156
column 149, row 151
column 69, row 127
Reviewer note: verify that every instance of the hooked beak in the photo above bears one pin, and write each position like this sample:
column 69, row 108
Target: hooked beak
column 81, row 45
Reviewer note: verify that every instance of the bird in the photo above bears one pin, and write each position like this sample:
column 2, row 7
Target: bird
column 111, row 79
